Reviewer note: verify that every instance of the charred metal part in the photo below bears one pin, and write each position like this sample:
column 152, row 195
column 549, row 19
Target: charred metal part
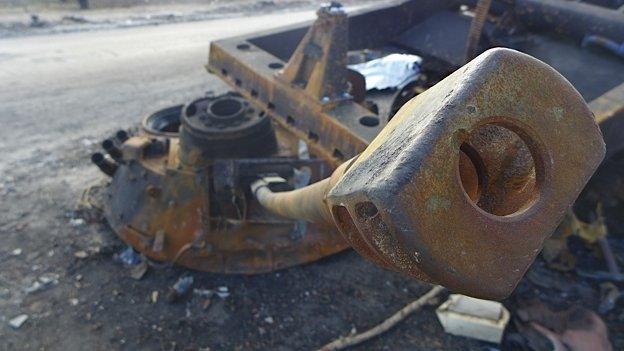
column 165, row 122
column 224, row 127
column 319, row 65
column 333, row 131
column 180, row 195
column 107, row 166
column 122, row 136
column 204, row 217
column 466, row 181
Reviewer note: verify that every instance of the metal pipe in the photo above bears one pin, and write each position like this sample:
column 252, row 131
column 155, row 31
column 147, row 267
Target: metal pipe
column 112, row 150
column 105, row 165
column 122, row 136
column 307, row 203
column 301, row 204
column 571, row 18
column 606, row 43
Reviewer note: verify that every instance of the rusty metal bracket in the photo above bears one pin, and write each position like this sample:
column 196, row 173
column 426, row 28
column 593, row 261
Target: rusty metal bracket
column 293, row 93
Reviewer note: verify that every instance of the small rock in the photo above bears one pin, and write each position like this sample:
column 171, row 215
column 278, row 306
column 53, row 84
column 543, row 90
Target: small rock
column 269, row 320
column 49, row 278
column 5, row 293
column 154, row 297
column 76, row 222
column 74, row 301
column 36, row 286
column 81, row 254
column 16, row 252
column 17, row 321
column 138, row 271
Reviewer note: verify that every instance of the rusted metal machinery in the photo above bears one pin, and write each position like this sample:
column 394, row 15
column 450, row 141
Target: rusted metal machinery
column 467, row 179
column 460, row 187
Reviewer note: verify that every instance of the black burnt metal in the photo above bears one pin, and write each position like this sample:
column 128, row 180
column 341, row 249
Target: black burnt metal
column 225, row 126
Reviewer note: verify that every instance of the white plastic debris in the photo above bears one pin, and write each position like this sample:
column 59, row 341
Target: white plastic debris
column 36, row 286
column 17, row 321
column 474, row 318
column 392, row 71
column 223, row 292
column 76, row 222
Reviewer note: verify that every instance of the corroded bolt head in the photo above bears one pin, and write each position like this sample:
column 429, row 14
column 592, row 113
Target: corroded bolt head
column 467, row 180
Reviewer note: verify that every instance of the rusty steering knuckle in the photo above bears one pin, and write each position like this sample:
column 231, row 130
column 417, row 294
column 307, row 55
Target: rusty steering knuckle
column 467, row 180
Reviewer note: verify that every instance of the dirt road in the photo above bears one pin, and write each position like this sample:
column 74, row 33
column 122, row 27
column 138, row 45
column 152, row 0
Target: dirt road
column 59, row 96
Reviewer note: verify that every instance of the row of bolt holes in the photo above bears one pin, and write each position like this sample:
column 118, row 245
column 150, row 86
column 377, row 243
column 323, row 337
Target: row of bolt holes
column 368, row 121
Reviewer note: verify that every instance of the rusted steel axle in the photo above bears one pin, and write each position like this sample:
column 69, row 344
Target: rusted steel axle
column 466, row 181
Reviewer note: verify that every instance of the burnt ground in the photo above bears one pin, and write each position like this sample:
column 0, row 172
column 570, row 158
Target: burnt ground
column 59, row 96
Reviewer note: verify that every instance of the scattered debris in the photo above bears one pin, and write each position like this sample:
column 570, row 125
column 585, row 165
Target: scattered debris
column 573, row 329
column 42, row 282
column 36, row 22
column 610, row 295
column 180, row 288
column 76, row 222
column 474, row 318
column 17, row 321
column 49, row 278
column 207, row 293
column 36, row 286
column 81, row 254
column 223, row 292
column 393, row 71
column 138, row 271
column 351, row 340
column 75, row 19
column 129, row 256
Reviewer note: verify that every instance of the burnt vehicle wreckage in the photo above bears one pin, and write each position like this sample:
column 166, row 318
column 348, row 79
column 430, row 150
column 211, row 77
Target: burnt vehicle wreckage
column 454, row 178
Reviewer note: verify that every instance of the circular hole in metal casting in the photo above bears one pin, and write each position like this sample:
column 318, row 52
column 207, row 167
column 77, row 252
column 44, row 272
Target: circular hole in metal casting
column 166, row 121
column 226, row 108
column 366, row 210
column 497, row 170
column 276, row 65
column 369, row 121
